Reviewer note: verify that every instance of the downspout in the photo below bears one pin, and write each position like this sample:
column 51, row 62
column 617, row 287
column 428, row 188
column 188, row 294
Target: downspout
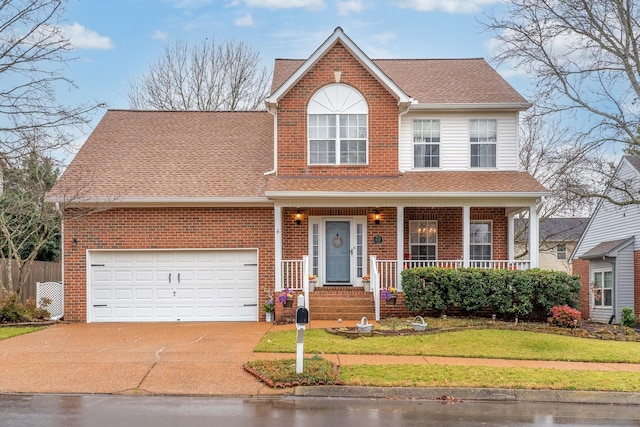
column 274, row 113
column 57, row 205
column 402, row 113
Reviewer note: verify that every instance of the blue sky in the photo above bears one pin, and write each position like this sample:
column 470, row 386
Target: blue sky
column 116, row 40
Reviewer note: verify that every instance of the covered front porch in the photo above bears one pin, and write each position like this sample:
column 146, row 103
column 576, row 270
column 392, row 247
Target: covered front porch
column 339, row 246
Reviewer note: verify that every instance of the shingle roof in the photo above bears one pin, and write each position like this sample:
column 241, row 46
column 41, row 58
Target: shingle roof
column 634, row 160
column 432, row 81
column 172, row 154
column 556, row 229
column 605, row 248
column 425, row 183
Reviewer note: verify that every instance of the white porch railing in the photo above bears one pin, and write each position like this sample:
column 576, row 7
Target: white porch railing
column 389, row 273
column 293, row 274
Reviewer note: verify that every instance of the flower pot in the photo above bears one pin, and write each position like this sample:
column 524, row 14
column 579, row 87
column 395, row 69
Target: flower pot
column 288, row 303
column 269, row 316
column 366, row 285
column 392, row 301
column 312, row 286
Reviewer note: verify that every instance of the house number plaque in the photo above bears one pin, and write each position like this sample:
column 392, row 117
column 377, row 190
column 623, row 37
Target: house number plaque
column 377, row 239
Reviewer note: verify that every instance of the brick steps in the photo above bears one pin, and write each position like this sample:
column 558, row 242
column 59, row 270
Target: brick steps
column 340, row 302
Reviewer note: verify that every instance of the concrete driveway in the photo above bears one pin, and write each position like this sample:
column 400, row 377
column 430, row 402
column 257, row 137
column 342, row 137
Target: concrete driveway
column 142, row 358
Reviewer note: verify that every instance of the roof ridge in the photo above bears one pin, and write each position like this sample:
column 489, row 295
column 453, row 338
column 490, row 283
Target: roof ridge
column 126, row 110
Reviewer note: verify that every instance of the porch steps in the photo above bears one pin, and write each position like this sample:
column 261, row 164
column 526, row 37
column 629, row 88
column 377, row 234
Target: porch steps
column 340, row 302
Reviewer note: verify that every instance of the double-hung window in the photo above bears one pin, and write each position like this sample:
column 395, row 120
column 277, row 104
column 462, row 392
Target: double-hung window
column 426, row 143
column 338, row 127
column 423, row 239
column 603, row 288
column 481, row 243
column 483, row 140
column 561, row 251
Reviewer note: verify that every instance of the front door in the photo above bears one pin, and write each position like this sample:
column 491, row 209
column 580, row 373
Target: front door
column 338, row 252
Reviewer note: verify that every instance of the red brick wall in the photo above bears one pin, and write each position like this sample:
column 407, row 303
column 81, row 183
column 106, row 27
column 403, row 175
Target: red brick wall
column 581, row 268
column 164, row 228
column 450, row 229
column 383, row 118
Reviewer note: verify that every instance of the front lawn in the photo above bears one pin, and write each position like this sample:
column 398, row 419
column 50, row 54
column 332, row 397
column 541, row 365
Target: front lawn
column 482, row 343
column 12, row 331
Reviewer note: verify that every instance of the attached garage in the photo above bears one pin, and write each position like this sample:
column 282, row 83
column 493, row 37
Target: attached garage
column 172, row 285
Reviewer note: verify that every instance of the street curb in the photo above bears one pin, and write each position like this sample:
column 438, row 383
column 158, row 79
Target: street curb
column 477, row 394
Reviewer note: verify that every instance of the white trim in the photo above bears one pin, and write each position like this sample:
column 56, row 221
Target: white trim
column 466, row 235
column 165, row 201
column 398, row 195
column 277, row 215
column 481, row 221
column 509, row 106
column 511, row 236
column 534, row 237
column 399, row 239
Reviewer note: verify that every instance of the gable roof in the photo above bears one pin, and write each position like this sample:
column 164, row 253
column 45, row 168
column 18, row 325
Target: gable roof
column 633, row 161
column 453, row 82
column 555, row 229
column 171, row 156
column 338, row 36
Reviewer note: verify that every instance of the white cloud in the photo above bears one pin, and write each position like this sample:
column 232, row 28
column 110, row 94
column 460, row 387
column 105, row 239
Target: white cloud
column 84, row 38
column 287, row 4
column 345, row 7
column 449, row 6
column 159, row 35
column 384, row 38
column 244, row 21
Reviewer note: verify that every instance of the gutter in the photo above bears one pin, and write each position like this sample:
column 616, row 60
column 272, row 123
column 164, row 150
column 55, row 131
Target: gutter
column 398, row 195
column 519, row 106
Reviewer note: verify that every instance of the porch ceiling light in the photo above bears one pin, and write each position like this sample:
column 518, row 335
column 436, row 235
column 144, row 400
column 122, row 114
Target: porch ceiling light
column 376, row 216
column 298, row 218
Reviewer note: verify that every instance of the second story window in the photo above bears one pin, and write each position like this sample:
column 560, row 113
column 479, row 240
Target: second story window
column 483, row 138
column 338, row 127
column 561, row 251
column 426, row 143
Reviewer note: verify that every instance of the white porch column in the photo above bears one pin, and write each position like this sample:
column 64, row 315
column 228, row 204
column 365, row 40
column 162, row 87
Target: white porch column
column 399, row 243
column 511, row 236
column 534, row 236
column 466, row 235
column 277, row 214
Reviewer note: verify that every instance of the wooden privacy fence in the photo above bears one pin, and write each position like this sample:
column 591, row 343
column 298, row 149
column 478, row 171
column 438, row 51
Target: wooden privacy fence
column 41, row 271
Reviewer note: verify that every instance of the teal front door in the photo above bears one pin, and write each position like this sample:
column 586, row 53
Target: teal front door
column 338, row 256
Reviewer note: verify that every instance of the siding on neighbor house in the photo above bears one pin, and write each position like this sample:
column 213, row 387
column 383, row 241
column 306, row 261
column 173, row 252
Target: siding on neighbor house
column 612, row 222
column 624, row 288
column 164, row 228
column 454, row 139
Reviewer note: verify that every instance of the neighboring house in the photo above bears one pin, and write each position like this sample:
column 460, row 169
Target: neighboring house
column 357, row 167
column 558, row 239
column 607, row 257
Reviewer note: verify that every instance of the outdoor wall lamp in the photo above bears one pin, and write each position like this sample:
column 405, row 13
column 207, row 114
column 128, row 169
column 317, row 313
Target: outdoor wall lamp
column 298, row 218
column 376, row 216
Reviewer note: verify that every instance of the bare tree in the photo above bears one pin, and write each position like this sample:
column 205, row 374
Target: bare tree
column 33, row 55
column 583, row 58
column 207, row 76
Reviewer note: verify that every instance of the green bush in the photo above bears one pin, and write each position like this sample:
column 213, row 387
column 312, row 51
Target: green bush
column 513, row 293
column 628, row 319
column 12, row 310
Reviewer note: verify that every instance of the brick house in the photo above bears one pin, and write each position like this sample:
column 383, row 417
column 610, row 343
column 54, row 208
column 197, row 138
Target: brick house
column 607, row 256
column 357, row 167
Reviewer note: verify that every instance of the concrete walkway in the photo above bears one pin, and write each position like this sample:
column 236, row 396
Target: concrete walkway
column 183, row 359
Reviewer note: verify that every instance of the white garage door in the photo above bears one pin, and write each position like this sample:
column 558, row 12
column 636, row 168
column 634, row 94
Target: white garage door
column 161, row 286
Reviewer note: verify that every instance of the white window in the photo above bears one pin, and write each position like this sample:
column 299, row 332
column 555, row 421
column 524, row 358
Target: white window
column 426, row 143
column 481, row 240
column 338, row 127
column 561, row 251
column 603, row 288
column 483, row 138
column 423, row 239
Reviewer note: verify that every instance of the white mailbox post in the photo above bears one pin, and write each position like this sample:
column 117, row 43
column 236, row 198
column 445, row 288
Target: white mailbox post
column 302, row 318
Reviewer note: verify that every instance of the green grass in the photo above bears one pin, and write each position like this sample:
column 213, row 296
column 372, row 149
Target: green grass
column 483, row 343
column 12, row 331
column 488, row 377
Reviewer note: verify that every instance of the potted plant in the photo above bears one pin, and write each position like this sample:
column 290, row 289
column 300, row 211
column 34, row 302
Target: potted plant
column 313, row 279
column 286, row 298
column 390, row 295
column 269, row 307
column 366, row 281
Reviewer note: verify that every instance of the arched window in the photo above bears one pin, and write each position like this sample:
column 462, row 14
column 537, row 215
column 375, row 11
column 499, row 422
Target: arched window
column 338, row 127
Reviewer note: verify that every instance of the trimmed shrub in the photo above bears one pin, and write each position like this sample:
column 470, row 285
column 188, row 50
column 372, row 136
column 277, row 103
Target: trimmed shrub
column 564, row 316
column 628, row 319
column 510, row 293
